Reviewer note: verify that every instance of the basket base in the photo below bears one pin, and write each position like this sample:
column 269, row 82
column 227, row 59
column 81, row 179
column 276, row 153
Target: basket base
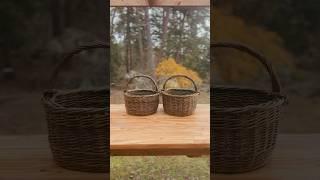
column 233, row 171
column 140, row 114
column 182, row 114
column 82, row 161
column 83, row 168
column 241, row 167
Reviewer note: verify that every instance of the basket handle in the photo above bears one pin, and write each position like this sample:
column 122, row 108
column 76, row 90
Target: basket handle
column 141, row 76
column 276, row 88
column 69, row 55
column 184, row 76
column 47, row 95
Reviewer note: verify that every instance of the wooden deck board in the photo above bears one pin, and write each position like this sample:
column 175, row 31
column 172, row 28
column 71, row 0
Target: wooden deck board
column 159, row 134
column 29, row 157
column 296, row 157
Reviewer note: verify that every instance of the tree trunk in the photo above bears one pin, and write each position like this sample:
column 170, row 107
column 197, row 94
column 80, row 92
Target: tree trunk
column 113, row 15
column 165, row 21
column 128, row 40
column 57, row 15
column 104, row 15
column 151, row 63
column 141, row 52
column 69, row 9
column 179, row 48
column 193, row 24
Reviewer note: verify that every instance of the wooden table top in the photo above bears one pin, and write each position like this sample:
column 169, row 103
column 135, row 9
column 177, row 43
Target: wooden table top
column 159, row 134
column 296, row 157
column 29, row 157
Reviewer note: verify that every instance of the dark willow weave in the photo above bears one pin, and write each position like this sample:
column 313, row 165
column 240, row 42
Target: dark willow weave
column 179, row 102
column 78, row 125
column 244, row 122
column 141, row 102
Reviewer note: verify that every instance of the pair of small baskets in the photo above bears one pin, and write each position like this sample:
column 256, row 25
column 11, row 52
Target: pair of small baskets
column 244, row 122
column 78, row 124
column 176, row 102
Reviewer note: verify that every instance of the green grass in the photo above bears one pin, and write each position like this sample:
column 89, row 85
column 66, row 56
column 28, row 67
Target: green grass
column 158, row 168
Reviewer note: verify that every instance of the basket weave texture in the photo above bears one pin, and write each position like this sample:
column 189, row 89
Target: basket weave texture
column 245, row 121
column 141, row 102
column 78, row 125
column 179, row 102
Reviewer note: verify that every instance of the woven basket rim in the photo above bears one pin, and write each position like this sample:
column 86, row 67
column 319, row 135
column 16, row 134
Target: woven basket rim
column 127, row 93
column 52, row 103
column 278, row 99
column 195, row 93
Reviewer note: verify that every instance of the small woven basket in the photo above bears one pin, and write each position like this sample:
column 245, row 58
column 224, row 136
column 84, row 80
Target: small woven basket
column 179, row 102
column 141, row 102
column 78, row 125
column 245, row 121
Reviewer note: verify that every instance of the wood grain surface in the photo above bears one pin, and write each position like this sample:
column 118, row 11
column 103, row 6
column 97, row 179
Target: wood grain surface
column 159, row 134
column 296, row 157
column 29, row 158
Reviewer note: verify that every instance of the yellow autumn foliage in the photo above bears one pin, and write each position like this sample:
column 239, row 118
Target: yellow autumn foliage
column 169, row 67
column 234, row 66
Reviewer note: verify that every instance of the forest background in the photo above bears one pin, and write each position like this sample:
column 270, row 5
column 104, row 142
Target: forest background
column 159, row 42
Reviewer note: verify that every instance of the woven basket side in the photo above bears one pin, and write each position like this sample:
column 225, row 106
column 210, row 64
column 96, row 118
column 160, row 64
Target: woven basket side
column 78, row 137
column 245, row 145
column 141, row 102
column 245, row 121
column 179, row 104
column 78, row 124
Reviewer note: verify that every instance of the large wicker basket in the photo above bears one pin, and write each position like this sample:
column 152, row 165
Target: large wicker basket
column 245, row 121
column 78, row 126
column 141, row 102
column 179, row 102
